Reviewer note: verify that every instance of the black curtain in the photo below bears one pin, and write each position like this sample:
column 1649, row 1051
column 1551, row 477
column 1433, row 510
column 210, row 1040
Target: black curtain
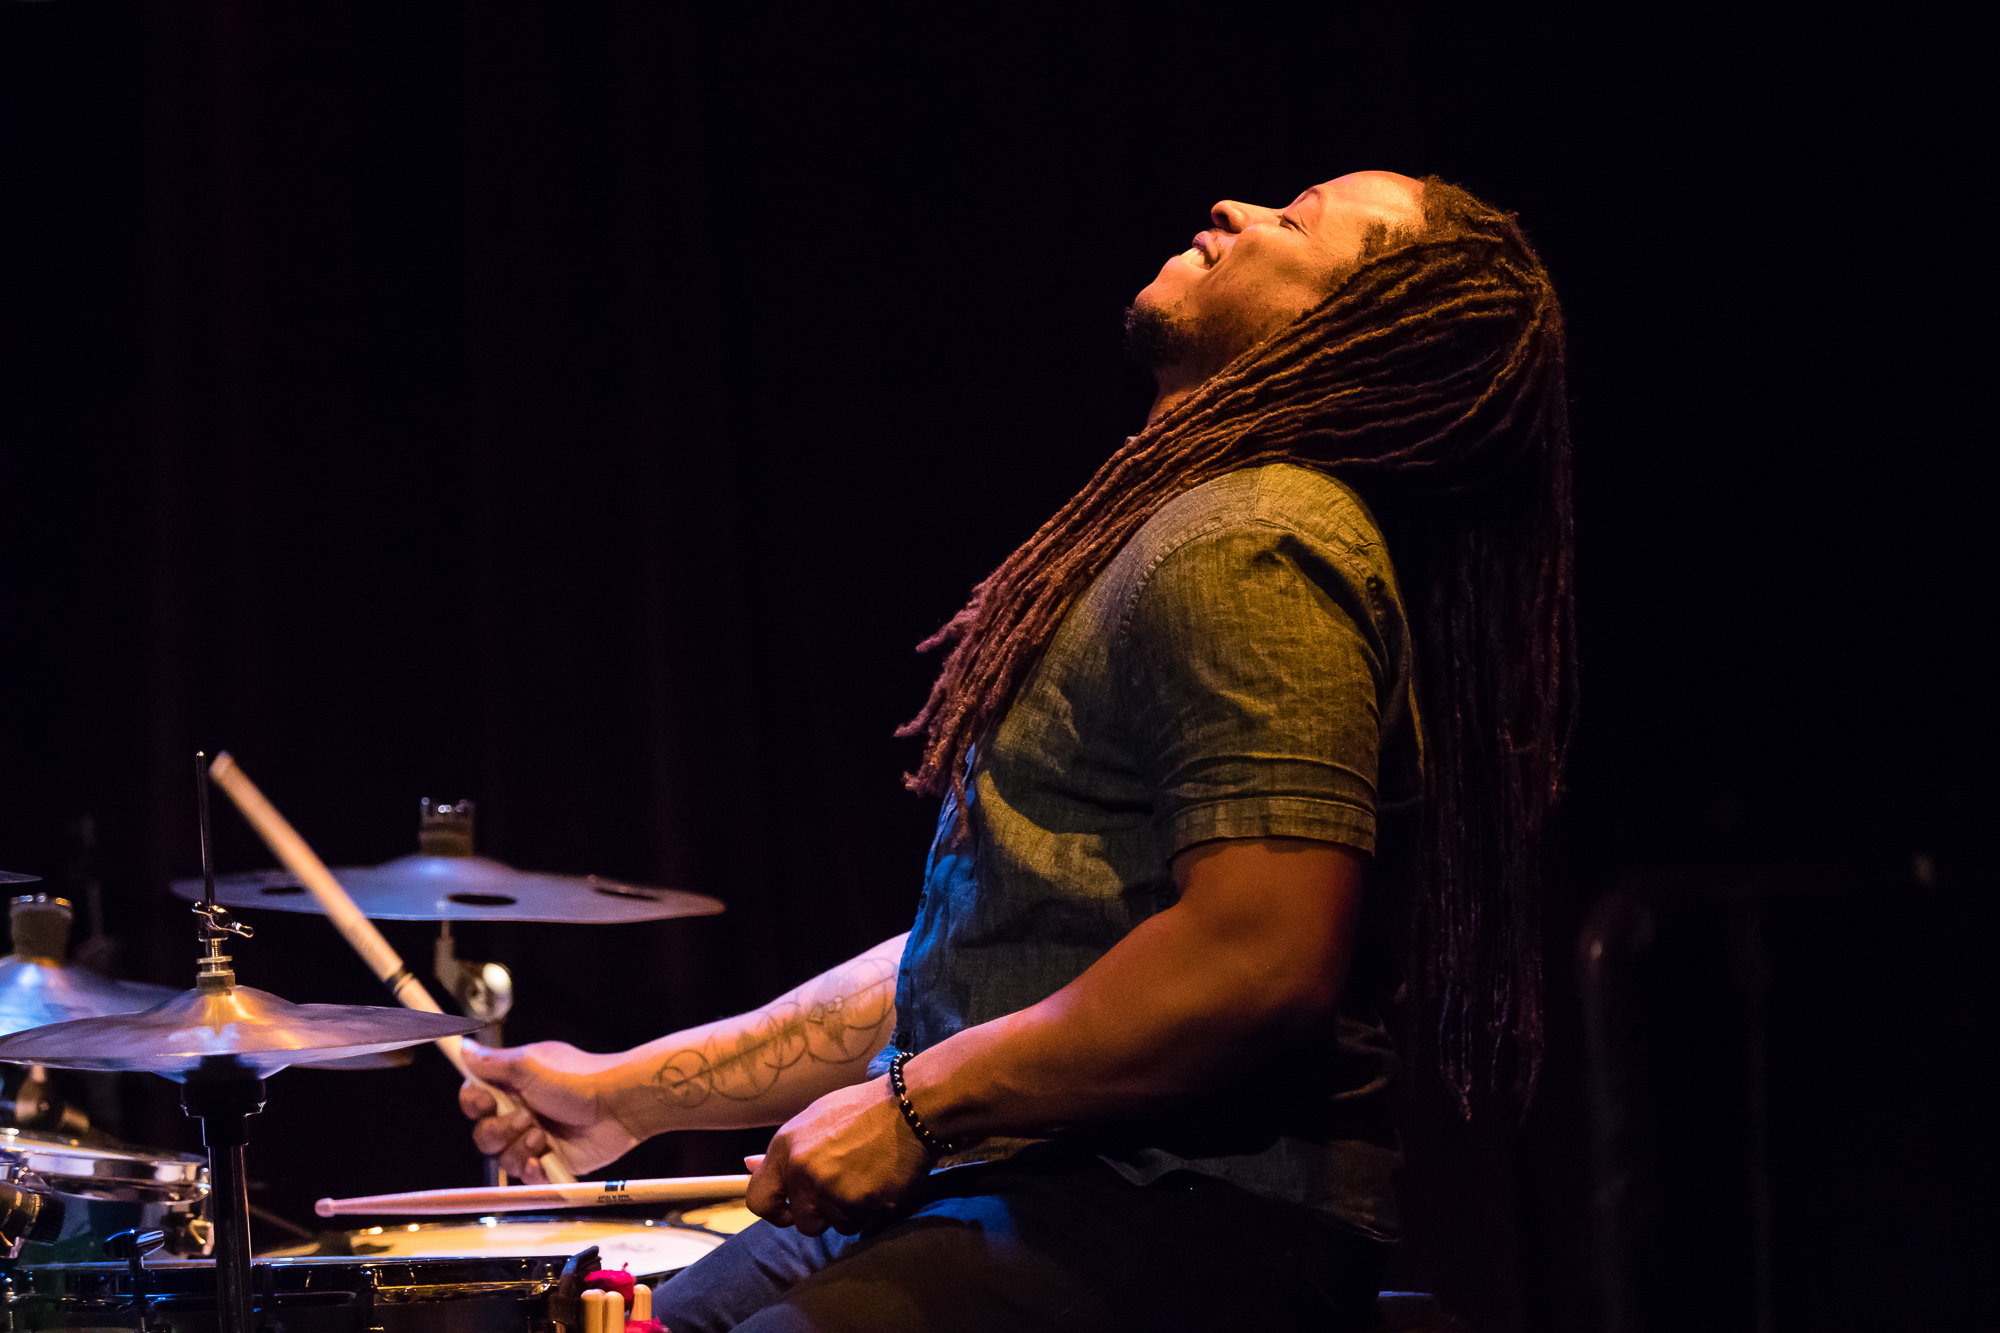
column 584, row 410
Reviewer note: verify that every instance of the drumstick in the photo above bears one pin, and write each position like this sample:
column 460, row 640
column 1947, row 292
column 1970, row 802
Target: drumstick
column 357, row 929
column 516, row 1198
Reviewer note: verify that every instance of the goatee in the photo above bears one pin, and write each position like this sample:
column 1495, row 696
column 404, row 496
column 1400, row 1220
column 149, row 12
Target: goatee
column 1156, row 337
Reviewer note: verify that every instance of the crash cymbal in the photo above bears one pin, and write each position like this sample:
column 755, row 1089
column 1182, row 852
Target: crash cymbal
column 225, row 1029
column 11, row 877
column 395, row 1059
column 444, row 881
column 35, row 993
column 38, row 988
column 461, row 888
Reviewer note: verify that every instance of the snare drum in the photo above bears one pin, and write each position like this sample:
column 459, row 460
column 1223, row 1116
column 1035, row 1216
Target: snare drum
column 650, row 1250
column 324, row 1295
column 107, row 1190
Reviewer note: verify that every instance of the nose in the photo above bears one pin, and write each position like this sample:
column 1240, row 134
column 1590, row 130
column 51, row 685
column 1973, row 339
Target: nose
column 1233, row 216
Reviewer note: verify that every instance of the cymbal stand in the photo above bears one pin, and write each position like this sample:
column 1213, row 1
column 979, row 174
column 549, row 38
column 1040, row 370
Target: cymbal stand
column 223, row 1094
column 223, row 1102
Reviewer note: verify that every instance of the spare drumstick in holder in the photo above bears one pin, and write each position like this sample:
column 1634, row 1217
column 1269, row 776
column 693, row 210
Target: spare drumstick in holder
column 603, row 1312
column 357, row 929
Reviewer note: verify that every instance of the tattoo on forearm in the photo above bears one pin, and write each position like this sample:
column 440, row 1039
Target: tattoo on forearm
column 832, row 1020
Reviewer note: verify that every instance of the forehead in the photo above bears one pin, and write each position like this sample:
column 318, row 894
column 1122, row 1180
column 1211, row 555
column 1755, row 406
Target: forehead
column 1363, row 195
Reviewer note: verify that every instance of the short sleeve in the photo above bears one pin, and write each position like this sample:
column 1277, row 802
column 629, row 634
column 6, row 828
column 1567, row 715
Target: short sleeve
column 1253, row 671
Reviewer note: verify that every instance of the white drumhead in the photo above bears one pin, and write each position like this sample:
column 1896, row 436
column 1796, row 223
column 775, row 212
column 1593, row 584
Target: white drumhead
column 728, row 1218
column 641, row 1247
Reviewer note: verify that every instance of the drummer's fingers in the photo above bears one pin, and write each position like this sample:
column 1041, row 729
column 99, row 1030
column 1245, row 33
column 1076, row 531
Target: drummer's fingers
column 813, row 1213
column 496, row 1133
column 766, row 1195
column 490, row 1136
column 536, row 1141
column 521, row 1161
column 476, row 1100
column 505, row 1133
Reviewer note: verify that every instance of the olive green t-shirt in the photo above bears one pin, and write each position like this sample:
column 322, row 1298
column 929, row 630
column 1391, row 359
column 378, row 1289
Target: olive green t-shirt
column 1241, row 669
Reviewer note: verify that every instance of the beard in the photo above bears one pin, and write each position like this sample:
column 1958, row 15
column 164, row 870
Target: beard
column 1157, row 337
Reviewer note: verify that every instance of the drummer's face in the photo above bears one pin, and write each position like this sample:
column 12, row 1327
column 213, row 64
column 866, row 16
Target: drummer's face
column 1255, row 269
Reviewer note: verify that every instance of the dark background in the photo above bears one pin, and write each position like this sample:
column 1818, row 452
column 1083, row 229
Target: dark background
column 584, row 409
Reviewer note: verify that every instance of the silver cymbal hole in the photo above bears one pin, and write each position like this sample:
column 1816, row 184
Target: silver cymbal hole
column 481, row 899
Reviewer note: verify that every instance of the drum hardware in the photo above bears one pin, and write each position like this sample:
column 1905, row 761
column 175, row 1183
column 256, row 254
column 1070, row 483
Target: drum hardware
column 106, row 1188
column 566, row 1304
column 27, row 1214
column 484, row 991
column 221, row 1041
column 464, row 1294
column 133, row 1247
column 353, row 923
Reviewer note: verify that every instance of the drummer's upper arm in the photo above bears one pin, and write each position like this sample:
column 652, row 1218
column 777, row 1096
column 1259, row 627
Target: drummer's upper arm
column 1280, row 914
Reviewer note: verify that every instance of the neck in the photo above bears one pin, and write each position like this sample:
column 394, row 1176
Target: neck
column 1175, row 385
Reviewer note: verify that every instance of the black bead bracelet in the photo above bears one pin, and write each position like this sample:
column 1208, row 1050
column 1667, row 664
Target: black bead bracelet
column 916, row 1122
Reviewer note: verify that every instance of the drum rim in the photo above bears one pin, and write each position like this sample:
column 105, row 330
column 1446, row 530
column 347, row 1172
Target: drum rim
column 70, row 1166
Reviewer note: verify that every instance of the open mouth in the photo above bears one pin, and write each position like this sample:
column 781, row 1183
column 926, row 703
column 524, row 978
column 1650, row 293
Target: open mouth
column 1204, row 253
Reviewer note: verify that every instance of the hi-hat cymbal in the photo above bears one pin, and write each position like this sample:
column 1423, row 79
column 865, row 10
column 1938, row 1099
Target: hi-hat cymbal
column 461, row 888
column 35, row 993
column 14, row 877
column 237, row 1029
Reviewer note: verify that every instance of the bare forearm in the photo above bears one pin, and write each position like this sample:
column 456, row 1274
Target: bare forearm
column 762, row 1067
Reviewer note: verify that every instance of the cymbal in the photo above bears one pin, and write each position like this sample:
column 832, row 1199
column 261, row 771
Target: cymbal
column 461, row 888
column 236, row 1029
column 395, row 1059
column 14, row 877
column 35, row 993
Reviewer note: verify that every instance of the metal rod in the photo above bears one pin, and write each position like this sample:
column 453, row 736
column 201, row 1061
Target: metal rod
column 229, row 1201
column 201, row 799
column 224, row 1102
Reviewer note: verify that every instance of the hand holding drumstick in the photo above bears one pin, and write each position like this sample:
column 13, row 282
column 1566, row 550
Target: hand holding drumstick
column 559, row 1106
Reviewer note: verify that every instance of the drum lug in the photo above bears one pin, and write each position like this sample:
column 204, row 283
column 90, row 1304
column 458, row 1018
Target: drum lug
column 27, row 1214
column 133, row 1247
column 566, row 1302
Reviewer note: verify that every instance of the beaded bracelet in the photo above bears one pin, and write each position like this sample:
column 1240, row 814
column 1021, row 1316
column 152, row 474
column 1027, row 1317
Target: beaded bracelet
column 916, row 1122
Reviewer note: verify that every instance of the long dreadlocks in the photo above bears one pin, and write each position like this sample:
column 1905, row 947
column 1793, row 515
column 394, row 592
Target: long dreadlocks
column 1430, row 380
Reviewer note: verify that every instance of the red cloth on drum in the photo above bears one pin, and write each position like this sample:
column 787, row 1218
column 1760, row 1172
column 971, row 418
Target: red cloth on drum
column 612, row 1279
column 645, row 1326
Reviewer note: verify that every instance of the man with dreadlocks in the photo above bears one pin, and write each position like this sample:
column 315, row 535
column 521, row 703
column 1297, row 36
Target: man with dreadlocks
column 1128, row 1068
